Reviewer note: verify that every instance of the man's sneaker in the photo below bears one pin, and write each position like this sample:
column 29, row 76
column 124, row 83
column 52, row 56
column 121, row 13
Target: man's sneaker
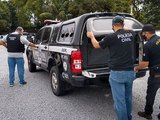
column 143, row 114
column 23, row 83
column 11, row 85
column 158, row 116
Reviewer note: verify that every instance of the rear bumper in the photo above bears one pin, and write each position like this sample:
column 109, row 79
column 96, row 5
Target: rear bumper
column 81, row 81
column 78, row 81
column 88, row 77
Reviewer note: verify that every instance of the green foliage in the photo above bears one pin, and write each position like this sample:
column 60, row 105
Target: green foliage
column 151, row 12
column 12, row 17
column 122, row 6
column 79, row 7
column 4, row 11
column 45, row 15
column 4, row 17
column 31, row 13
column 147, row 11
column 22, row 13
column 137, row 9
column 3, row 24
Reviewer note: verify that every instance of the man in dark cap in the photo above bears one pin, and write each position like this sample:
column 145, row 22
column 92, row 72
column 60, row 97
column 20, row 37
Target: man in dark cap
column 121, row 63
column 151, row 59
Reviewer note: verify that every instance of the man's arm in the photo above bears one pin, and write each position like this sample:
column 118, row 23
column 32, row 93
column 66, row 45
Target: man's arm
column 141, row 65
column 3, row 43
column 95, row 43
column 33, row 45
column 26, row 42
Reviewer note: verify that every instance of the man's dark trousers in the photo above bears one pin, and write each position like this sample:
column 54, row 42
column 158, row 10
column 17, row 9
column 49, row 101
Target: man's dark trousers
column 153, row 86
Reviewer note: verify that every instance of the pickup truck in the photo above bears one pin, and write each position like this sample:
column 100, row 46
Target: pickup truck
column 68, row 55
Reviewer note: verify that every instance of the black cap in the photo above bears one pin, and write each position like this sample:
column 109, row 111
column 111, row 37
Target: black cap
column 148, row 28
column 117, row 19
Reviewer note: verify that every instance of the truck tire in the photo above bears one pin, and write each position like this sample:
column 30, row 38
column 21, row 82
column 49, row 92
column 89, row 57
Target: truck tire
column 31, row 65
column 57, row 85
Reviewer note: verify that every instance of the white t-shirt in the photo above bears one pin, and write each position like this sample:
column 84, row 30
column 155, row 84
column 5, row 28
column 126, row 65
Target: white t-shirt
column 17, row 54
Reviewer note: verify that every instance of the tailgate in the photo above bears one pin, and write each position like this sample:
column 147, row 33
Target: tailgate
column 95, row 61
column 93, row 58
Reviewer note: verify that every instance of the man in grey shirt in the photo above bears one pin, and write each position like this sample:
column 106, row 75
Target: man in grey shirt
column 15, row 46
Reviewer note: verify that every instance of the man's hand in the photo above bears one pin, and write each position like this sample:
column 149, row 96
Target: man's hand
column 95, row 43
column 136, row 69
column 3, row 43
column 142, row 64
column 33, row 45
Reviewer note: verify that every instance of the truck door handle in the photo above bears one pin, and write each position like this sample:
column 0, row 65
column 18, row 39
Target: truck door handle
column 45, row 47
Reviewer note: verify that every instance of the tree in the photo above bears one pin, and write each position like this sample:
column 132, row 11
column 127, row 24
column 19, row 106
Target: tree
column 122, row 6
column 151, row 12
column 147, row 11
column 138, row 9
column 4, row 17
column 29, row 13
column 23, row 14
column 79, row 7
column 13, row 17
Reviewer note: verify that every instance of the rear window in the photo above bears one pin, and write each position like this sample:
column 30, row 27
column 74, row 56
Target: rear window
column 106, row 24
column 101, row 26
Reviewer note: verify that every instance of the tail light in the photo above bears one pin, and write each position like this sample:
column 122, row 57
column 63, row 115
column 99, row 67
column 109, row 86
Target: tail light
column 76, row 61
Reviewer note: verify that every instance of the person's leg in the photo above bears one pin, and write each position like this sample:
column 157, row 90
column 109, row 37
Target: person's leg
column 118, row 93
column 130, row 76
column 151, row 93
column 20, row 67
column 11, row 65
column 158, row 116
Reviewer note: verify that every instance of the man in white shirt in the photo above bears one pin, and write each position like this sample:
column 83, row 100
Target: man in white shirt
column 15, row 46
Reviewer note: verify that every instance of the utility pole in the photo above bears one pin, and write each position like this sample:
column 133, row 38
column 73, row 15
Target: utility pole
column 131, row 10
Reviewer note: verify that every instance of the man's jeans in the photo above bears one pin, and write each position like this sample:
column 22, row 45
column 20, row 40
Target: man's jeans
column 12, row 62
column 121, row 85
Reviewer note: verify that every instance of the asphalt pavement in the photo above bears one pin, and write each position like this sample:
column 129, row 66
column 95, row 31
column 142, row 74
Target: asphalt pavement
column 35, row 101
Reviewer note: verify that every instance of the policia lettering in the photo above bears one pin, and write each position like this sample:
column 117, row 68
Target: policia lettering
column 125, row 37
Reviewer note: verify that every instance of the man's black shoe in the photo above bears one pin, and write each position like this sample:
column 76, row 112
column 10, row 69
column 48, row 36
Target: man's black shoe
column 143, row 114
column 158, row 116
column 22, row 83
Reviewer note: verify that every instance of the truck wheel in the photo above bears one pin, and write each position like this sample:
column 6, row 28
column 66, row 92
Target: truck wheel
column 57, row 85
column 31, row 66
